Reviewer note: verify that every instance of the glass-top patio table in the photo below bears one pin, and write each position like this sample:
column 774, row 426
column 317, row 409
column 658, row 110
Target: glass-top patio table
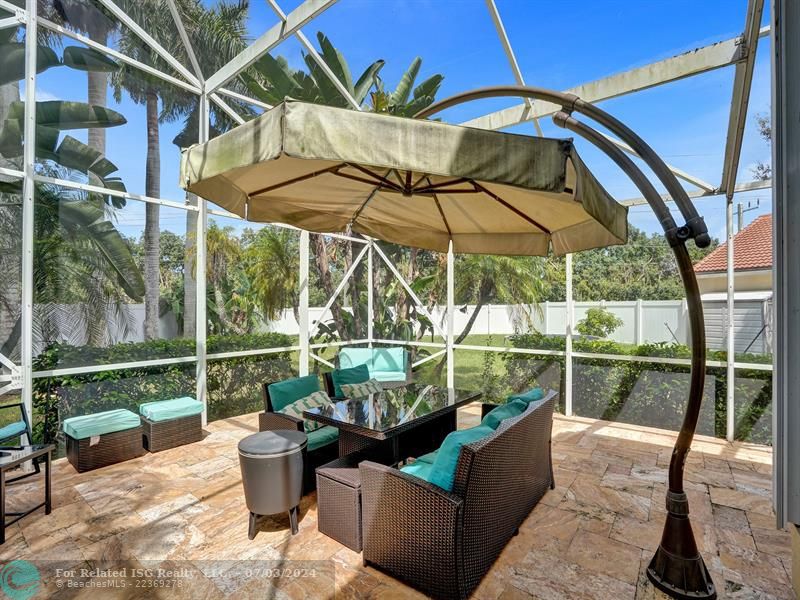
column 414, row 418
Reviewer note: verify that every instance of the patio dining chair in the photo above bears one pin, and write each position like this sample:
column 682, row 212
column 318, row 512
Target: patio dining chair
column 15, row 430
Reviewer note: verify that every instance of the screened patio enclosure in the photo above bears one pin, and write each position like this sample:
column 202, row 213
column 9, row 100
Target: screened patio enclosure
column 237, row 304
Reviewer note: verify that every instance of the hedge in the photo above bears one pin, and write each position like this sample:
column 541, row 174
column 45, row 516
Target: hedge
column 647, row 393
column 234, row 384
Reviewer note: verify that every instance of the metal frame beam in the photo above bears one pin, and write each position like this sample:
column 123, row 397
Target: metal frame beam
column 267, row 41
column 747, row 186
column 125, row 19
column 694, row 62
column 512, row 59
column 742, row 82
column 118, row 55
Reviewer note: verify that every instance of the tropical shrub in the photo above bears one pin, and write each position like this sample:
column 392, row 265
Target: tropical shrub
column 599, row 322
column 234, row 384
column 646, row 393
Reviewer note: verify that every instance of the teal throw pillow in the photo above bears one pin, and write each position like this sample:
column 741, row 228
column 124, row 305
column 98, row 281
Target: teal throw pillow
column 358, row 374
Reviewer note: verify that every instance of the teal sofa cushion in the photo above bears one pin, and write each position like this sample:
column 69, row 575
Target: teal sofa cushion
column 388, row 375
column 167, row 410
column 13, row 430
column 353, row 357
column 443, row 469
column 504, row 411
column 283, row 393
column 418, row 469
column 532, row 395
column 358, row 374
column 80, row 428
column 384, row 364
column 321, row 437
column 389, row 359
column 429, row 457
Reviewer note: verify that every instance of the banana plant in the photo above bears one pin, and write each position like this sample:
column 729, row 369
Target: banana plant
column 404, row 102
column 272, row 79
column 54, row 117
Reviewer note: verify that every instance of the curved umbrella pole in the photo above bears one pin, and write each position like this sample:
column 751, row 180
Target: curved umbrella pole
column 677, row 568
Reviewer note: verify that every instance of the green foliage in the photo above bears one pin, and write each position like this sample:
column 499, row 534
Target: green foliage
column 643, row 268
column 234, row 385
column 646, row 393
column 599, row 322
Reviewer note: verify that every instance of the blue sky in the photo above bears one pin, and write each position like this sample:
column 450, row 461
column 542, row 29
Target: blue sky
column 558, row 45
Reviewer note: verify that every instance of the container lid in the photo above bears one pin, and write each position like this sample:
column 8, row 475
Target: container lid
column 270, row 443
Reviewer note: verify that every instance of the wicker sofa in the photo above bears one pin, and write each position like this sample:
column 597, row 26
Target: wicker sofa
column 441, row 542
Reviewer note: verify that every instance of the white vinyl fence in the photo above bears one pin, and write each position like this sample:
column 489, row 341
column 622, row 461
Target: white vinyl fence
column 643, row 321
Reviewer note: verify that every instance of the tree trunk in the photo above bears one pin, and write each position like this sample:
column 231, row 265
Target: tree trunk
column 189, row 276
column 355, row 295
column 321, row 257
column 152, row 250
column 97, row 90
column 468, row 327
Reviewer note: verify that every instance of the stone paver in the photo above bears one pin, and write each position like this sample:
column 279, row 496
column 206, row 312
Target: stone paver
column 591, row 537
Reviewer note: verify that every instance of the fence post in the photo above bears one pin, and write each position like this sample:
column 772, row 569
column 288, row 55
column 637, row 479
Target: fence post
column 638, row 324
column 370, row 297
column 546, row 317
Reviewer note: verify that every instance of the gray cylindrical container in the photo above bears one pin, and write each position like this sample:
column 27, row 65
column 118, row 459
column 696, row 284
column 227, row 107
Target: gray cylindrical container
column 272, row 474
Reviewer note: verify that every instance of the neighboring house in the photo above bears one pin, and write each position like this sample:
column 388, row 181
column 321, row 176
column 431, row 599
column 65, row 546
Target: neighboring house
column 752, row 261
column 752, row 278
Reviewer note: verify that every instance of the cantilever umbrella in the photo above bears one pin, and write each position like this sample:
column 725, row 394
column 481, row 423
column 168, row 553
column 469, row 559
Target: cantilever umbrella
column 412, row 182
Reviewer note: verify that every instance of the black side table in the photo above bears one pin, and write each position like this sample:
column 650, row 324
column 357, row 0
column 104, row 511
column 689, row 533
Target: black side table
column 11, row 458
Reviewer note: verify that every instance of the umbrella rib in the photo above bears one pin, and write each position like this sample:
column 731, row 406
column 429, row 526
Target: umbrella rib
column 377, row 177
column 371, row 182
column 364, row 204
column 431, row 187
column 512, row 208
column 295, row 180
column 441, row 211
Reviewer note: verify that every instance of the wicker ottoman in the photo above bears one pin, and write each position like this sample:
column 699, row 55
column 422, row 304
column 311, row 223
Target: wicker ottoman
column 103, row 439
column 171, row 423
column 339, row 500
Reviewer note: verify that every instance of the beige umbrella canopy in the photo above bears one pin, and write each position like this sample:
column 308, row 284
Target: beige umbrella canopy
column 412, row 182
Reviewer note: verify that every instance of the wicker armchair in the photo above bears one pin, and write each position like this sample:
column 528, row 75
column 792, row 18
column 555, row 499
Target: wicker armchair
column 269, row 420
column 443, row 543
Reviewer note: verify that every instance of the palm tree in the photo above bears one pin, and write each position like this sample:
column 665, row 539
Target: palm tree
column 217, row 35
column 516, row 280
column 78, row 251
column 272, row 264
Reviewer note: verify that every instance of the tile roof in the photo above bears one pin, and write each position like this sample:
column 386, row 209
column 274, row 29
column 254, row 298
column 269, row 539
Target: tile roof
column 752, row 249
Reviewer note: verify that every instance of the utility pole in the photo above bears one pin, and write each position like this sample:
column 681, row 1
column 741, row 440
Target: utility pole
column 741, row 210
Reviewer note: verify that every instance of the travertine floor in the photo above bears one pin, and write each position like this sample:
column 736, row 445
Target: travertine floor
column 184, row 510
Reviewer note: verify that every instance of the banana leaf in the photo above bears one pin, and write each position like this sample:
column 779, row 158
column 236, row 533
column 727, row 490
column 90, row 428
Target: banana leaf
column 280, row 77
column 75, row 214
column 429, row 87
column 335, row 61
column 88, row 59
column 12, row 61
column 403, row 89
column 366, row 80
column 64, row 114
column 11, row 140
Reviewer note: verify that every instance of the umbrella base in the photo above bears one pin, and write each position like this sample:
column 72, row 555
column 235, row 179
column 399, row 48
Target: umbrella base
column 677, row 569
